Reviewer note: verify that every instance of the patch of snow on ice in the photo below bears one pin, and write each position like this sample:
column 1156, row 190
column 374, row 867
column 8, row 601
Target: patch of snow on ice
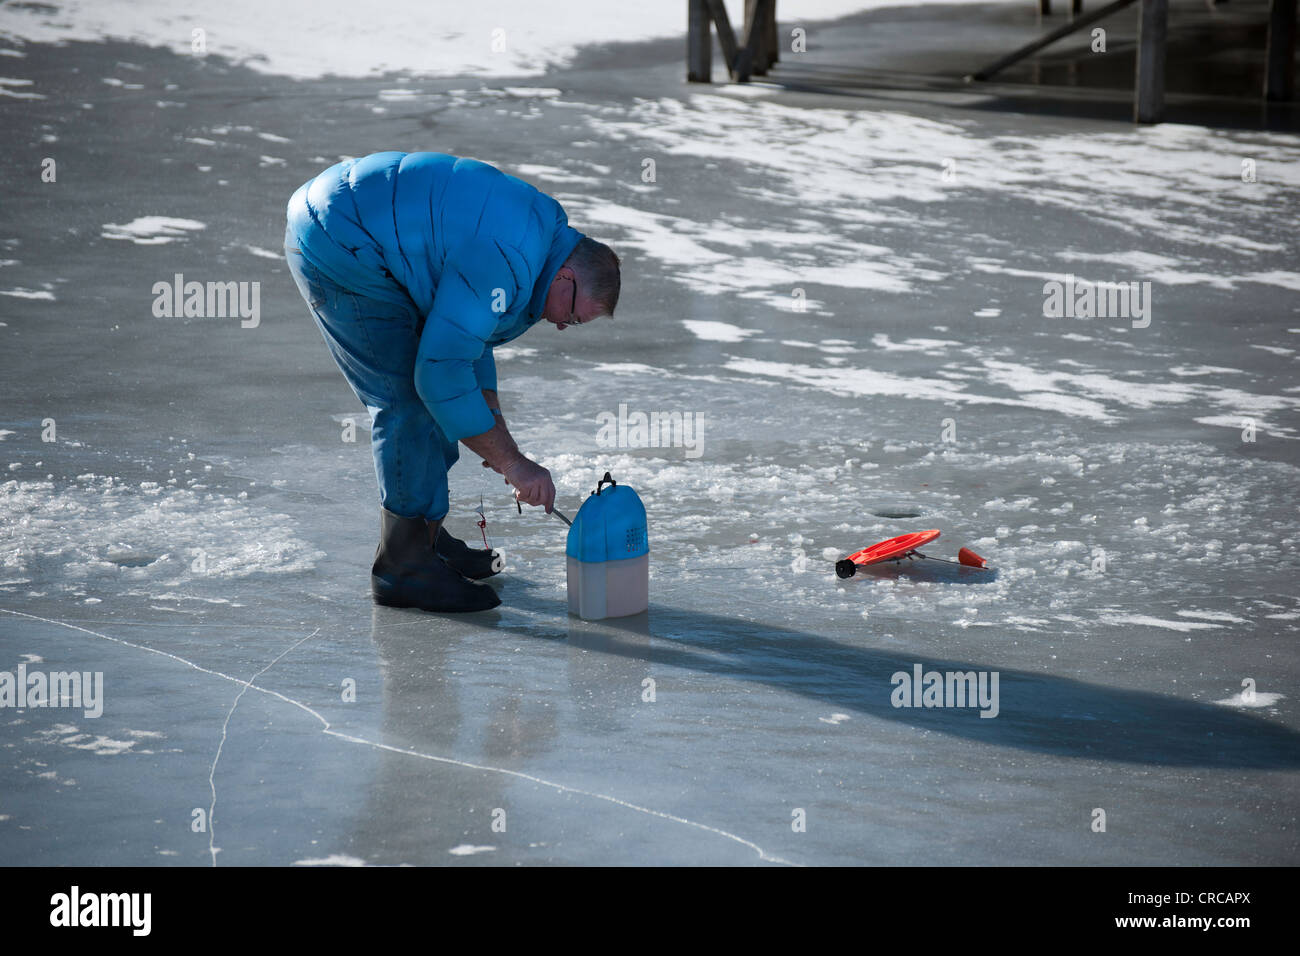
column 1251, row 699
column 152, row 230
column 68, row 735
column 1145, row 620
column 69, row 532
column 5, row 84
column 717, row 331
column 883, row 343
column 1213, row 616
column 334, row 859
column 29, row 294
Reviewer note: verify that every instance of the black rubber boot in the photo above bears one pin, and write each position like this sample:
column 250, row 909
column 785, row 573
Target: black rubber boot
column 407, row 572
column 474, row 563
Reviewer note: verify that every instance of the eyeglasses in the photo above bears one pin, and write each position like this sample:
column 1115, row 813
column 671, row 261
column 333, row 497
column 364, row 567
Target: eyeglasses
column 573, row 306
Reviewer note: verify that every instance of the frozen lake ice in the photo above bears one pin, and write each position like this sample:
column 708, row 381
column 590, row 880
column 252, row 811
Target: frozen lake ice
column 199, row 529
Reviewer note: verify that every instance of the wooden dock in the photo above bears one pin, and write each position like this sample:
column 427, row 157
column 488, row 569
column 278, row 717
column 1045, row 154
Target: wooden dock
column 757, row 48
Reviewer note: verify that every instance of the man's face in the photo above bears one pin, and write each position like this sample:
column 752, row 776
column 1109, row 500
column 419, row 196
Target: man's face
column 565, row 302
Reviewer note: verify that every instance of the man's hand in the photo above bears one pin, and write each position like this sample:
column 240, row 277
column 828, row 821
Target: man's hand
column 532, row 482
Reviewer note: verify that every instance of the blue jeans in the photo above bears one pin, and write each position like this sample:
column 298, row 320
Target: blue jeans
column 374, row 343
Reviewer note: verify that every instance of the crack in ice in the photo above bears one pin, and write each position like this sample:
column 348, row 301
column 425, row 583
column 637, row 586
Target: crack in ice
column 213, row 849
column 763, row 855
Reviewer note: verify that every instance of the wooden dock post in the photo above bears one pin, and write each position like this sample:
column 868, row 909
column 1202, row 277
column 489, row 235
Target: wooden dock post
column 1149, row 84
column 1279, row 69
column 699, row 43
column 755, row 56
column 771, row 38
column 766, row 53
column 726, row 36
column 749, row 56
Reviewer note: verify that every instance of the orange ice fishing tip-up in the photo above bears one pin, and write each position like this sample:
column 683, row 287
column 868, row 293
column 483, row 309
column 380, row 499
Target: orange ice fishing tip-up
column 900, row 547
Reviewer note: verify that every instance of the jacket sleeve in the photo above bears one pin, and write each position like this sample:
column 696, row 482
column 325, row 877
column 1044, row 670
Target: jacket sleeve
column 485, row 371
column 480, row 281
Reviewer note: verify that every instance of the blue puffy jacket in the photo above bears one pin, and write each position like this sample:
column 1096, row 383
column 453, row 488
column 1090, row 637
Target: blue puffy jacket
column 474, row 249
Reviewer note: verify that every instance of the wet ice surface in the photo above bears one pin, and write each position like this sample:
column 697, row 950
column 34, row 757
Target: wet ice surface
column 199, row 532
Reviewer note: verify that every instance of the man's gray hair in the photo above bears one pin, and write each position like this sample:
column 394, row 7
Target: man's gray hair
column 597, row 268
